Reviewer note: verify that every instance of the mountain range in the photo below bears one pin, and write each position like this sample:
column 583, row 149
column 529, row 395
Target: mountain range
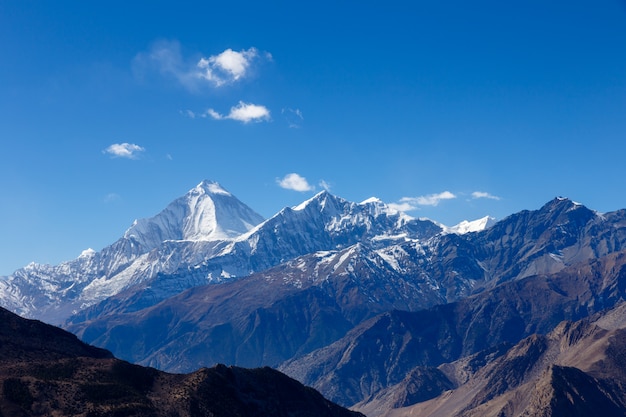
column 375, row 309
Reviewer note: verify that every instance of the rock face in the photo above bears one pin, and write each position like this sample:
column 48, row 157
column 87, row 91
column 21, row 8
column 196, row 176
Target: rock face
column 47, row 371
column 578, row 369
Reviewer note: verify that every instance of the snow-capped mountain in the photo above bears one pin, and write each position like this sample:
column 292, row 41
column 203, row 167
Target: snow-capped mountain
column 187, row 231
column 322, row 223
column 206, row 213
column 205, row 236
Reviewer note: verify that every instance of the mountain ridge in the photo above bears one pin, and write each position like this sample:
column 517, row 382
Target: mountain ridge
column 137, row 261
column 47, row 371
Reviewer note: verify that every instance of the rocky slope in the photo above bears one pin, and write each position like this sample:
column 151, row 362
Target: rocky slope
column 265, row 318
column 380, row 352
column 47, row 371
column 578, row 369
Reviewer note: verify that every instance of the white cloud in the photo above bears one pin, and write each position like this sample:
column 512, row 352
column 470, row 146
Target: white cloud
column 214, row 114
column 224, row 68
column 227, row 67
column 434, row 199
column 482, row 194
column 413, row 203
column 243, row 112
column 294, row 182
column 293, row 117
column 124, row 150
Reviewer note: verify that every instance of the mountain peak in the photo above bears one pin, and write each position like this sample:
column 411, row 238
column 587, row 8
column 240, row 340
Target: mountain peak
column 210, row 187
column 323, row 199
column 560, row 202
column 472, row 226
column 207, row 212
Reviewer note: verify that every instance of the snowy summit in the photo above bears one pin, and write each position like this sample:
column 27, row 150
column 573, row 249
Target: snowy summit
column 207, row 212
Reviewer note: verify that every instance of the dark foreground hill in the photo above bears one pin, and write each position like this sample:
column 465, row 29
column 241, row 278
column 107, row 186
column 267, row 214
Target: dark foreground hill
column 45, row 371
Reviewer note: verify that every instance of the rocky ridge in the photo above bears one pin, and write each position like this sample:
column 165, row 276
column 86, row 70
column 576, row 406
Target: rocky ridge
column 47, row 371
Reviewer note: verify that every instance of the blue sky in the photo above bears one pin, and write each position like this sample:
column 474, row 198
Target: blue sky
column 451, row 110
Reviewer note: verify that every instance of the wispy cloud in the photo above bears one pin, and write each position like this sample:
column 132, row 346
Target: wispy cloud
column 243, row 112
column 482, row 194
column 227, row 67
column 413, row 203
column 325, row 185
column 293, row 117
column 165, row 58
column 124, row 150
column 188, row 113
column 294, row 182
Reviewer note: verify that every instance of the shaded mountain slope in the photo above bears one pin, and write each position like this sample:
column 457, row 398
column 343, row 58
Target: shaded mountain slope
column 47, row 371
column 265, row 318
column 379, row 352
column 578, row 369
column 559, row 234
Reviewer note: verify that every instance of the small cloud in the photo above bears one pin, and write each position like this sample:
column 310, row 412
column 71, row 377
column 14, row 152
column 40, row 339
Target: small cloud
column 214, row 114
column 293, row 117
column 434, row 199
column 227, row 67
column 166, row 58
column 295, row 182
column 243, row 112
column 325, row 185
column 168, row 157
column 124, row 150
column 482, row 194
column 413, row 203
